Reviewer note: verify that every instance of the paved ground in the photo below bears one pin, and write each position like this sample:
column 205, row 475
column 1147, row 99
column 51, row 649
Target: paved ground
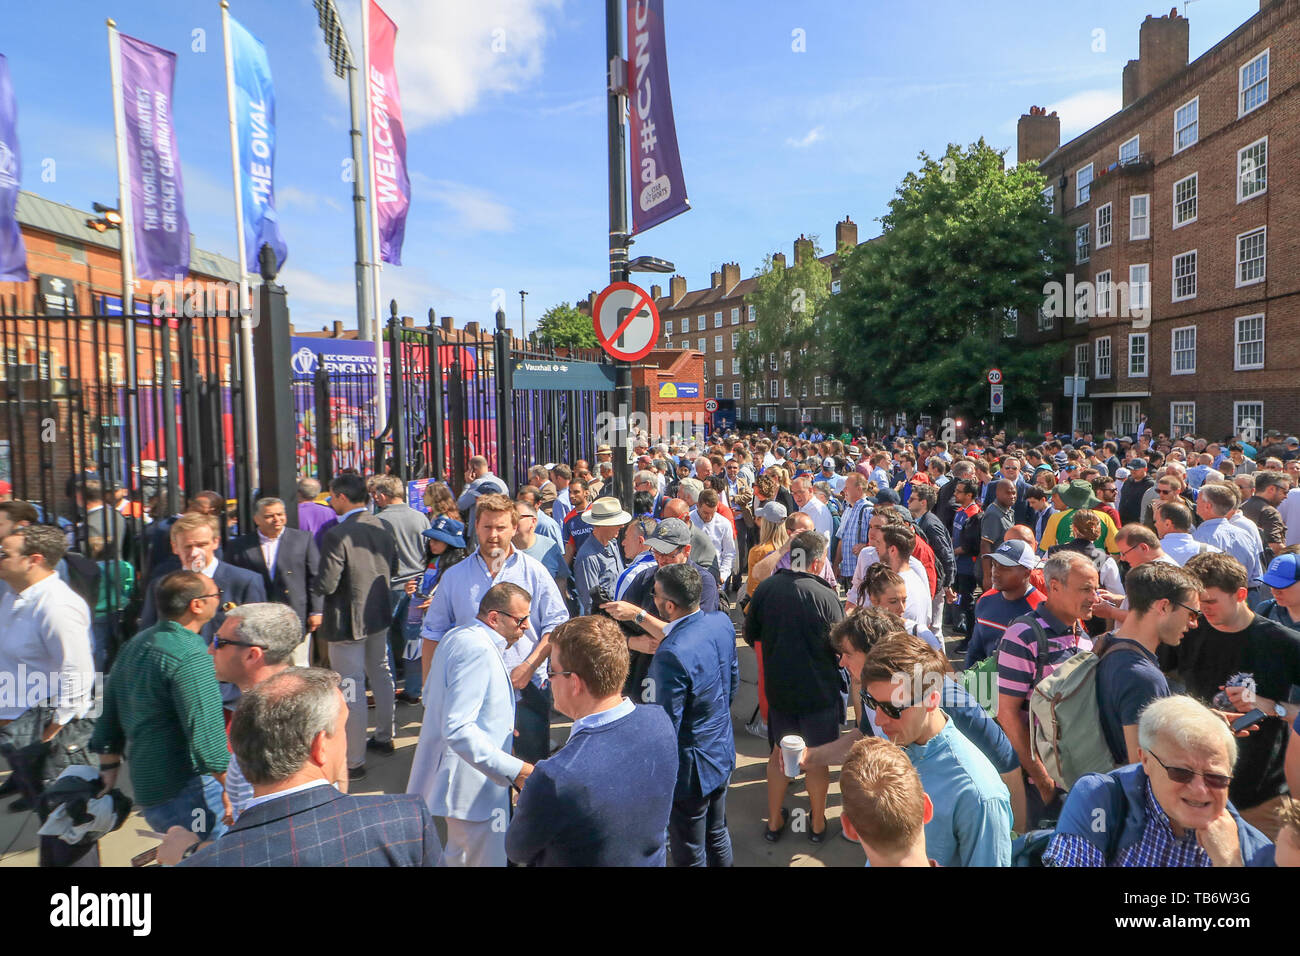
column 746, row 800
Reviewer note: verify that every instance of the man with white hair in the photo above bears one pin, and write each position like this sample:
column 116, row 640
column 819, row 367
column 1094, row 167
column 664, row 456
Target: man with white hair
column 1169, row 809
column 813, row 507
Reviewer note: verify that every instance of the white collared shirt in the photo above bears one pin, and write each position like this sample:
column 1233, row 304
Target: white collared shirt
column 670, row 626
column 348, row 514
column 592, row 721
column 270, row 548
column 45, row 652
column 268, row 797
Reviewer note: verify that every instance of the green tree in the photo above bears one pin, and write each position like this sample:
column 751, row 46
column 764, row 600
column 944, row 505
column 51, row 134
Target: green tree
column 789, row 307
column 924, row 309
column 565, row 326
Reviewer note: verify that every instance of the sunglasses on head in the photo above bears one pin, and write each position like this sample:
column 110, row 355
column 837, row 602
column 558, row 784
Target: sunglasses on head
column 1215, row 781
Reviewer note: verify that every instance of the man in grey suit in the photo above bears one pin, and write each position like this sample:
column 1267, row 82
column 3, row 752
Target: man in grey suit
column 357, row 558
column 101, row 521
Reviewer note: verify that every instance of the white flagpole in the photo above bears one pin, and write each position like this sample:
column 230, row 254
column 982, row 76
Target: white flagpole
column 249, row 383
column 127, row 234
column 376, row 251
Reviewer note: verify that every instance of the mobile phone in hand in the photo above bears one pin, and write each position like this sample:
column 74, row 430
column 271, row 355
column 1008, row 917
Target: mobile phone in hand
column 1247, row 720
column 145, row 858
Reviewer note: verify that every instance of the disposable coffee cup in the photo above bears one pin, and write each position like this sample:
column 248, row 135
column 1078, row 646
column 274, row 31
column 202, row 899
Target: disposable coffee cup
column 792, row 747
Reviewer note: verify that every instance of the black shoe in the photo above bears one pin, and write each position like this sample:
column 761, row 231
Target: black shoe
column 384, row 747
column 9, row 787
column 370, row 701
column 404, row 698
column 770, row 835
column 817, row 839
column 356, row 773
column 21, row 805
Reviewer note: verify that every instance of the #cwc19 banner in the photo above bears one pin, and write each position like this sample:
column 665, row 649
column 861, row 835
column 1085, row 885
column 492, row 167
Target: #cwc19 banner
column 13, row 254
column 390, row 186
column 255, row 120
column 658, row 190
column 162, row 233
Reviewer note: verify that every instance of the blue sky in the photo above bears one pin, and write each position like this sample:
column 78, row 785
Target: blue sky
column 507, row 149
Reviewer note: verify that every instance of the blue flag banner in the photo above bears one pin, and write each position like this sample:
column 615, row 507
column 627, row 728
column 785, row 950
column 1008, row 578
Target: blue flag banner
column 255, row 121
column 13, row 254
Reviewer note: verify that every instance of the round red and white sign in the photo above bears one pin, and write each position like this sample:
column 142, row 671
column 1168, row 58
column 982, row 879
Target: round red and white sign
column 626, row 321
column 711, row 405
column 995, row 376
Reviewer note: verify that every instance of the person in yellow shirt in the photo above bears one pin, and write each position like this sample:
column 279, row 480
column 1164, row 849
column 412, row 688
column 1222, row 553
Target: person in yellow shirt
column 1067, row 499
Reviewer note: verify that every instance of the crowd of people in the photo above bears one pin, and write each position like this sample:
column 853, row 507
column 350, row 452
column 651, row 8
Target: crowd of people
column 990, row 643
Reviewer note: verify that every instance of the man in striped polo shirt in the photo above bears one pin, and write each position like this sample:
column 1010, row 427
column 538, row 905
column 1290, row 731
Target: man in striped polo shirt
column 1032, row 647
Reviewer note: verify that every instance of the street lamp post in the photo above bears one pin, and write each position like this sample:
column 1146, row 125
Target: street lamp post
column 618, row 237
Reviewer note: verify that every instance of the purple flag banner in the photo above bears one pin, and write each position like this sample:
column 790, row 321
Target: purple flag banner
column 162, row 233
column 391, row 188
column 13, row 254
column 658, row 189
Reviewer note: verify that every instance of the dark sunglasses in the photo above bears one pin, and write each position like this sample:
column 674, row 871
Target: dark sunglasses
column 1215, row 781
column 219, row 642
column 886, row 708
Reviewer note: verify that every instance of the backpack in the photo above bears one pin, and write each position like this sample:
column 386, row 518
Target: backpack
column 1064, row 717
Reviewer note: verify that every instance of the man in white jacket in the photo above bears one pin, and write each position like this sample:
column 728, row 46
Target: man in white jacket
column 463, row 766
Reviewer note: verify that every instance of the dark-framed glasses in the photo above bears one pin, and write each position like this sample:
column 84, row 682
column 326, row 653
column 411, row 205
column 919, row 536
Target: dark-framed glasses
column 1215, row 781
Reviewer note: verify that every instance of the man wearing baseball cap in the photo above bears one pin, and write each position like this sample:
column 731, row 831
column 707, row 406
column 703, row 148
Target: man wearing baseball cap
column 1283, row 578
column 828, row 475
column 1012, row 596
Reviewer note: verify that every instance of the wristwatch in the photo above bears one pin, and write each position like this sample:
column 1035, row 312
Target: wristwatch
column 640, row 618
column 1279, row 708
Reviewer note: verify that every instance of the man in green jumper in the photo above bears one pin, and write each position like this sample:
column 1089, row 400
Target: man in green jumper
column 162, row 709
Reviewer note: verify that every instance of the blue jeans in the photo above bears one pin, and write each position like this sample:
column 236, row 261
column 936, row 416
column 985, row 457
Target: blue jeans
column 197, row 808
column 697, row 830
column 103, row 631
column 402, row 631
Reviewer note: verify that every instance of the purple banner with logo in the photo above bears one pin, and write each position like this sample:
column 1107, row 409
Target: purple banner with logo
column 162, row 233
column 13, row 254
column 658, row 190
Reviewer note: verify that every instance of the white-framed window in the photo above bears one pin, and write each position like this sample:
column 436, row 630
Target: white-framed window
column 735, row 365
column 1251, row 253
column 735, row 340
column 1125, row 416
column 1253, row 85
column 1182, row 419
column 1137, row 355
column 855, row 413
column 1103, row 226
column 1085, row 302
column 771, row 361
column 1248, row 347
column 1185, row 201
column 1103, row 357
column 753, row 314
column 1083, row 360
column 1182, row 348
column 785, row 387
column 1046, row 321
column 835, row 287
column 701, row 323
column 1184, row 284
column 735, row 316
column 769, row 413
column 1186, row 124
column 735, row 390
column 668, row 327
column 1083, row 185
column 717, row 320
column 1139, row 287
column 1252, row 170
column 775, row 386
column 1139, row 217
column 717, row 390
column 703, row 344
column 1084, row 416
column 787, row 358
column 1248, row 419
column 817, row 385
column 1049, row 199
column 755, row 390
column 1104, row 287
column 1129, row 149
column 837, row 414
column 717, row 367
column 1082, row 243
column 717, row 343
column 803, row 390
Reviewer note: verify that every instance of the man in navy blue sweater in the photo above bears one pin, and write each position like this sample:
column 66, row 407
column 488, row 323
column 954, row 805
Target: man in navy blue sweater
column 605, row 797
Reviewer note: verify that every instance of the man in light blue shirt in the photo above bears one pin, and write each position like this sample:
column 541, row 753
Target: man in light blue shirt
column 456, row 602
column 1214, row 503
column 902, row 678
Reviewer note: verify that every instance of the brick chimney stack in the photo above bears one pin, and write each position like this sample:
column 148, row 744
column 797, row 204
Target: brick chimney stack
column 1163, row 44
column 677, row 289
column 471, row 330
column 656, row 293
column 846, row 234
column 445, row 323
column 730, row 276
column 778, row 260
column 1038, row 134
column 338, row 330
column 803, row 247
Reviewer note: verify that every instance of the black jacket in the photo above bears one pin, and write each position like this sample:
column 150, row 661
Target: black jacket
column 941, row 543
column 297, row 563
column 790, row 616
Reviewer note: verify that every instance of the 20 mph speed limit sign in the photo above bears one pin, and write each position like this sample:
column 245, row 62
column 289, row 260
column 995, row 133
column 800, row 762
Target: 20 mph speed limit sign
column 711, row 405
column 626, row 321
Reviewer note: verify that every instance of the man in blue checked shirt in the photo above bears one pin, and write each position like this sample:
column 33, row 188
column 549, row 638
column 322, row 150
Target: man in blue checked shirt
column 456, row 601
column 853, row 526
column 1214, row 504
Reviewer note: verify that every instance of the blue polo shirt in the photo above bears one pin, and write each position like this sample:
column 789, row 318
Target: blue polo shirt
column 1127, row 680
column 993, row 612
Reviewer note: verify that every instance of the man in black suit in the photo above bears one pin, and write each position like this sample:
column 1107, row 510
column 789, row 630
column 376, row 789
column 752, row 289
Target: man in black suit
column 195, row 539
column 358, row 556
column 301, row 818
column 287, row 561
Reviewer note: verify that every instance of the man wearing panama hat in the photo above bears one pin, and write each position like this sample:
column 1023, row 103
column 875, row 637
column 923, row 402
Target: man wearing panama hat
column 1069, row 498
column 600, row 560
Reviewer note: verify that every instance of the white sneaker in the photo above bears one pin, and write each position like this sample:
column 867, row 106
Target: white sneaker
column 757, row 727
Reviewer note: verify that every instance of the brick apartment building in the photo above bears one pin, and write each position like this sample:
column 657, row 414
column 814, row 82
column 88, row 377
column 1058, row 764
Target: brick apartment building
column 710, row 322
column 1185, row 202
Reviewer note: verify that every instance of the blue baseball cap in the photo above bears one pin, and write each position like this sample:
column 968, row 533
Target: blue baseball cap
column 1283, row 572
column 447, row 530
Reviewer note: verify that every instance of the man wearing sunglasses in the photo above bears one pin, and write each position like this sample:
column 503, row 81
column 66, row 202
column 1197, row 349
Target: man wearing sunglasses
column 1169, row 809
column 162, row 708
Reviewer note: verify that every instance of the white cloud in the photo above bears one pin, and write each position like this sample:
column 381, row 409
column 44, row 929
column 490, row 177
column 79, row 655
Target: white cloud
column 466, row 208
column 287, row 197
column 1084, row 110
column 812, row 136
column 449, row 55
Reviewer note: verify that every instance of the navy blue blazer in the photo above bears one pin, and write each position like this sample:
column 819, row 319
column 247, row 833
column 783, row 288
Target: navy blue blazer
column 237, row 585
column 694, row 676
column 322, row 827
column 297, row 562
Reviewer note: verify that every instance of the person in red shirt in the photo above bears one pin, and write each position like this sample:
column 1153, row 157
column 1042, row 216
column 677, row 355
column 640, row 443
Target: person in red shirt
column 1106, row 489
